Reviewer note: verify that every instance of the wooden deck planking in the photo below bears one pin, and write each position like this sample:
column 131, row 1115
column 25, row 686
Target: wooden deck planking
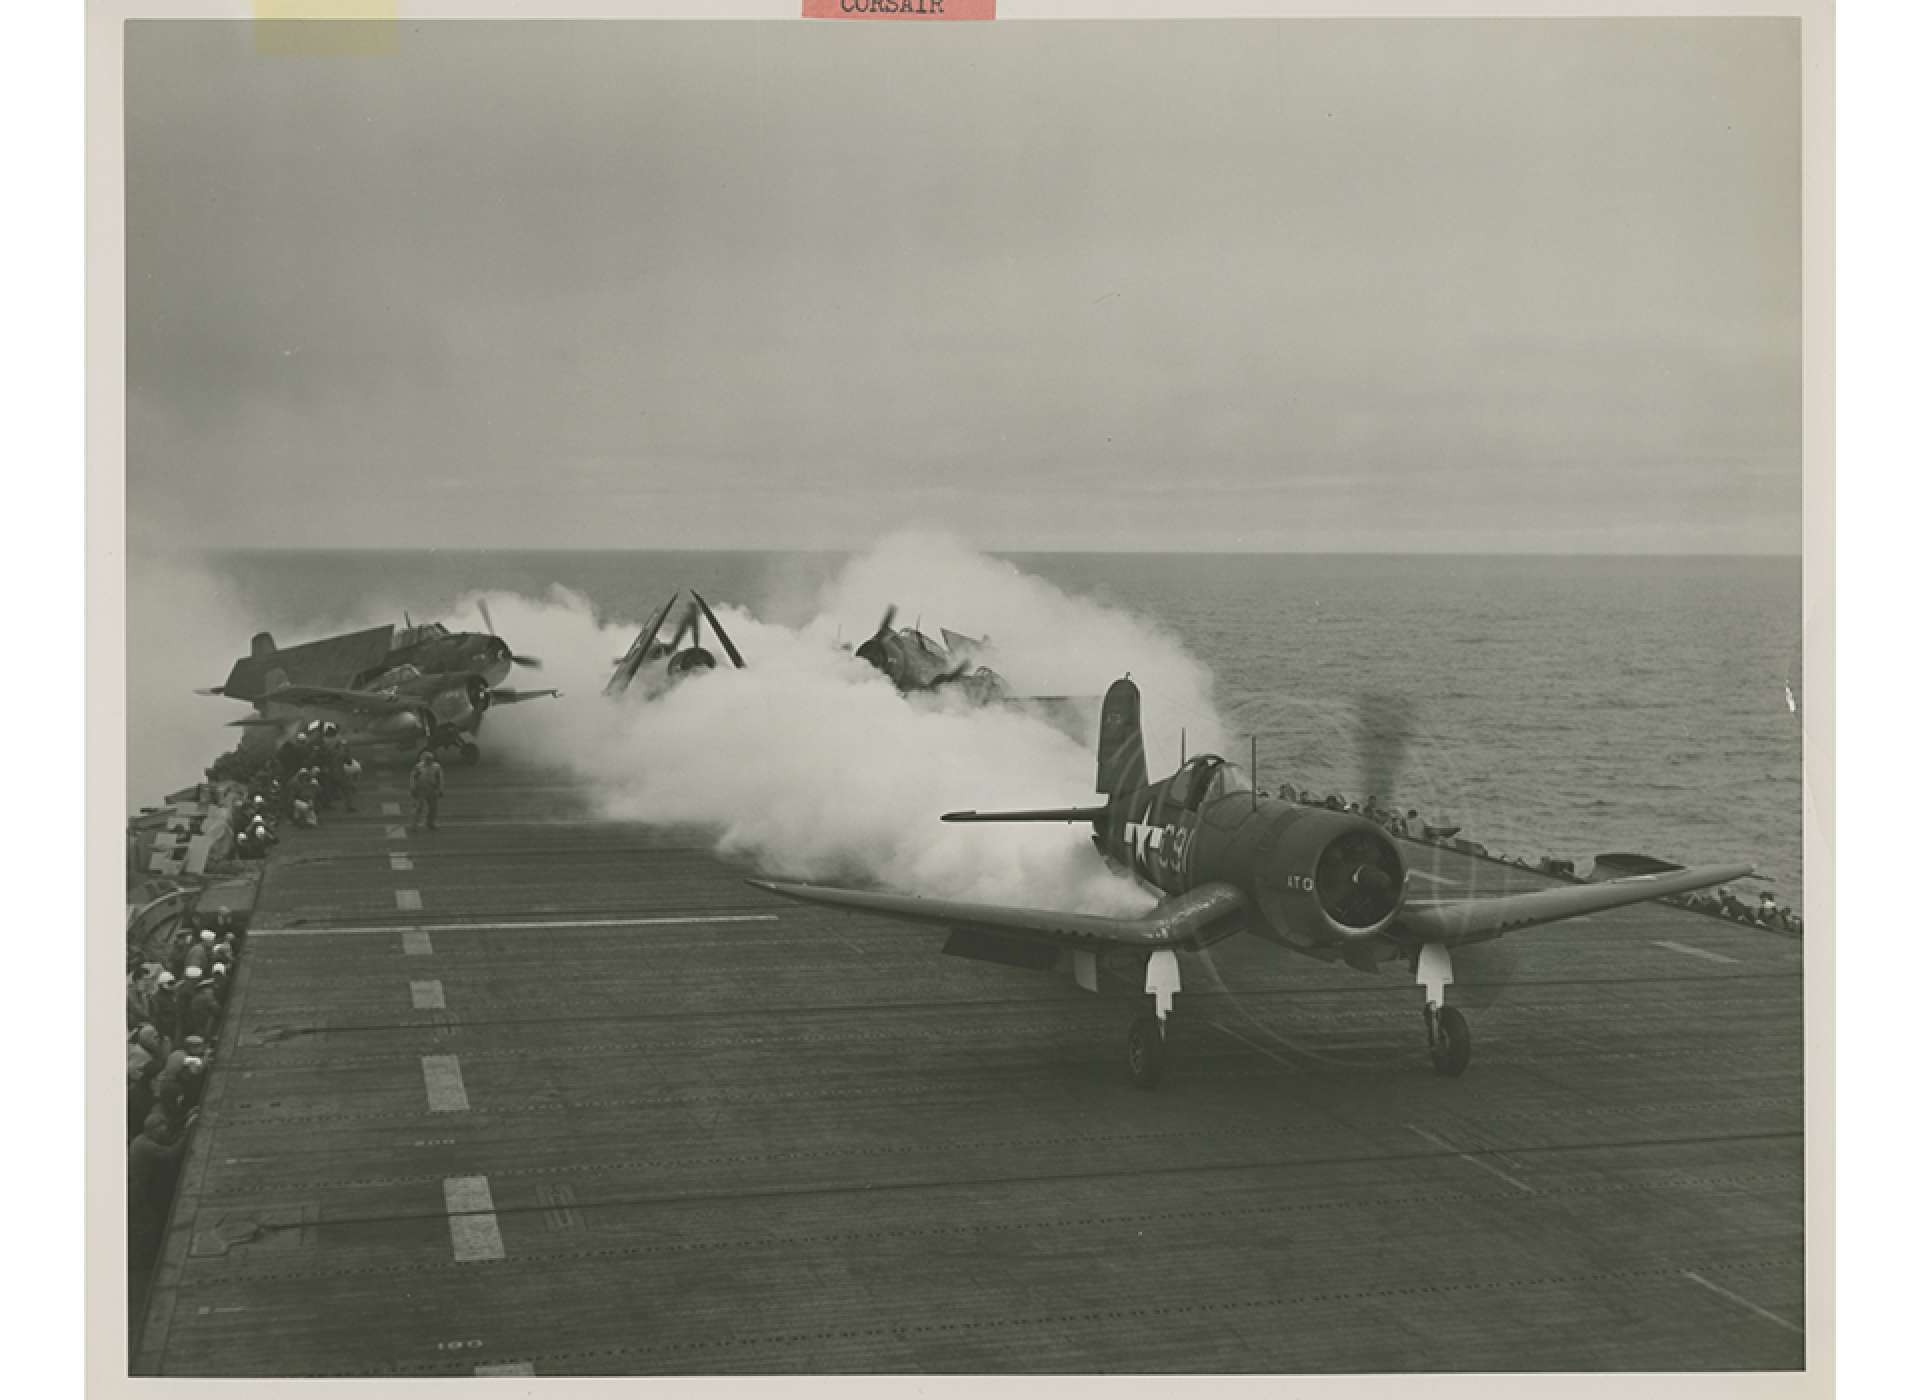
column 816, row 1145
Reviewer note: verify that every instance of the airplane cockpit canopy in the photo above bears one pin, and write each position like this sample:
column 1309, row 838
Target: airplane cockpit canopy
column 1203, row 778
column 423, row 632
column 1228, row 777
column 396, row 675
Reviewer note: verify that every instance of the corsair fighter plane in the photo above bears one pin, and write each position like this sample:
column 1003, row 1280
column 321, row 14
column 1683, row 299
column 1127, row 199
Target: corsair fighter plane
column 1330, row 885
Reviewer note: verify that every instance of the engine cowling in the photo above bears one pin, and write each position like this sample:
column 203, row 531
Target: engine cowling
column 694, row 658
column 1331, row 878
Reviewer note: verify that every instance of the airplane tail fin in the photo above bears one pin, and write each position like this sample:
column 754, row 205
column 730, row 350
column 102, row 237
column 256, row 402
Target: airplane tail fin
column 1123, row 764
column 1123, row 752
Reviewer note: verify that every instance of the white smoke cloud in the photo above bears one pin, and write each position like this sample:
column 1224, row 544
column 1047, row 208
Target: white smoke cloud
column 182, row 626
column 812, row 764
column 808, row 762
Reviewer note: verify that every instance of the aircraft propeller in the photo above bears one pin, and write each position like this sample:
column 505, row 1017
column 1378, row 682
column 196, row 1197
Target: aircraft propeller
column 1481, row 971
column 532, row 663
column 689, row 622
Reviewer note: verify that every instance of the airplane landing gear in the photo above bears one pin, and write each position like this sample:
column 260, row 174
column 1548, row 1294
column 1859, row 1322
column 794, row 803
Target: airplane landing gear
column 469, row 752
column 1147, row 1038
column 1447, row 1040
column 1146, row 1052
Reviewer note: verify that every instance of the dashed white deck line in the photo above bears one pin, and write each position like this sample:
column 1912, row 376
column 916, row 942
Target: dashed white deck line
column 471, row 1221
column 396, row 833
column 408, row 900
column 429, row 995
column 1751, row 1307
column 400, row 862
column 505, row 1368
column 666, row 921
column 389, row 809
column 416, row 943
column 1429, row 875
column 446, row 1090
column 1692, row 951
column 1470, row 1159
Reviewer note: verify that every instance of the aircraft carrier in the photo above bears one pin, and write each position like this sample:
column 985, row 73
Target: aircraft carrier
column 542, row 1094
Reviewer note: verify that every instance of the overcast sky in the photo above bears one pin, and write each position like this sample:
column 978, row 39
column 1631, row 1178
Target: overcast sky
column 1523, row 286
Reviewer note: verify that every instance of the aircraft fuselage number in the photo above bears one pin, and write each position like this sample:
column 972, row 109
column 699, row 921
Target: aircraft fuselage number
column 1168, row 843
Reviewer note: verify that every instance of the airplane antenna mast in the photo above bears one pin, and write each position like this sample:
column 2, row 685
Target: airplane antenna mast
column 1183, row 746
column 1254, row 778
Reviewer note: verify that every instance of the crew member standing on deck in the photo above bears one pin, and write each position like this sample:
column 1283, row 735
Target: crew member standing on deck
column 426, row 783
column 349, row 779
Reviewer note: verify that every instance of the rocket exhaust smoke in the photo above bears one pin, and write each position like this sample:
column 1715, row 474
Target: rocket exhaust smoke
column 811, row 763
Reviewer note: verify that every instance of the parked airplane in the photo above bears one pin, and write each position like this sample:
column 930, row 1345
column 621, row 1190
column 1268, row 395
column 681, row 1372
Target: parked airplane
column 400, row 708
column 356, row 660
column 1330, row 885
column 647, row 650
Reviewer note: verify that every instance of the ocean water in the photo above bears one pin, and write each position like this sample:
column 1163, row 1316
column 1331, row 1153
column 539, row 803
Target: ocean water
column 1547, row 706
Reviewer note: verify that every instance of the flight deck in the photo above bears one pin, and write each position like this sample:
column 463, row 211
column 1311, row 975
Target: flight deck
column 543, row 1094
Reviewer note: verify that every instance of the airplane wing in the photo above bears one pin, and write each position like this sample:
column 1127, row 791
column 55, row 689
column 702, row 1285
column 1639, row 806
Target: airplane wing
column 628, row 665
column 733, row 652
column 514, row 697
column 323, row 697
column 1476, row 920
column 1204, row 914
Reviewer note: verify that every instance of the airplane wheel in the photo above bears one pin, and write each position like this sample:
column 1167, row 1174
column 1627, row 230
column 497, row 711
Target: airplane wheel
column 1452, row 1046
column 469, row 753
column 1146, row 1052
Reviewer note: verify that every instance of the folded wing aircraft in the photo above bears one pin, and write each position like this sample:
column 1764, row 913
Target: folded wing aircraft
column 647, row 649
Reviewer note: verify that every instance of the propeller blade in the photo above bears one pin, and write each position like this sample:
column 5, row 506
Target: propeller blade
column 687, row 620
column 1483, row 971
column 733, row 652
column 886, row 621
column 487, row 617
column 532, row 663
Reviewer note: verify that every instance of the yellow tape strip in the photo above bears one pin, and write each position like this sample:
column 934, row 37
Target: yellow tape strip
column 325, row 28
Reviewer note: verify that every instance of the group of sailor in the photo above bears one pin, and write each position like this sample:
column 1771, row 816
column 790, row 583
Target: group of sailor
column 176, row 993
column 309, row 772
column 1769, row 913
